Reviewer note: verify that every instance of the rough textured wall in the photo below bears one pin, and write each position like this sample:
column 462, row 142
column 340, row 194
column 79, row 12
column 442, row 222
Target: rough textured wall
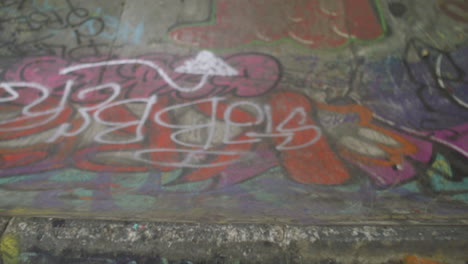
column 65, row 241
column 304, row 111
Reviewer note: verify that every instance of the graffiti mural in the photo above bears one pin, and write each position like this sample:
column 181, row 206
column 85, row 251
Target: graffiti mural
column 38, row 27
column 138, row 102
column 312, row 23
column 370, row 130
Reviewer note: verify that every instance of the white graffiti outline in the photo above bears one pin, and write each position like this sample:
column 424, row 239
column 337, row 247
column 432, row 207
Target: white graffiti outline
column 203, row 81
column 94, row 113
column 27, row 110
column 441, row 81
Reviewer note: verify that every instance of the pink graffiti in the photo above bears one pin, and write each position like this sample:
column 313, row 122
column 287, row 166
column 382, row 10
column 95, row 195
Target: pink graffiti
column 127, row 115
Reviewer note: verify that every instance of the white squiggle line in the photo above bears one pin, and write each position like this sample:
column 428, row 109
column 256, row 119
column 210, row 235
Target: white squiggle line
column 204, row 59
column 299, row 39
column 261, row 36
column 150, row 64
column 190, row 153
column 341, row 33
column 296, row 19
column 326, row 11
column 281, row 128
column 462, row 151
column 441, row 82
column 229, row 123
column 120, row 125
column 26, row 110
column 13, row 94
column 62, row 130
column 269, row 118
column 187, row 128
column 289, row 133
column 415, row 132
column 439, row 72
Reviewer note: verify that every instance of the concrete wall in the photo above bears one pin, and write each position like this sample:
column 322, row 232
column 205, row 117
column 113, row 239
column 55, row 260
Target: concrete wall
column 235, row 111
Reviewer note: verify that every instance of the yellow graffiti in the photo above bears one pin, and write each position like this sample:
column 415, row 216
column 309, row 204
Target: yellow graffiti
column 440, row 166
column 9, row 249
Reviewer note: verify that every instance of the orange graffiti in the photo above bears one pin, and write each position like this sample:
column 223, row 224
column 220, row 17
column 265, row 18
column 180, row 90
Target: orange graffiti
column 395, row 154
column 315, row 164
column 418, row 260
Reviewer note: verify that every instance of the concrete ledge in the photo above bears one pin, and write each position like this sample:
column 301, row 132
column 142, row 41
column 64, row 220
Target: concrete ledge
column 40, row 240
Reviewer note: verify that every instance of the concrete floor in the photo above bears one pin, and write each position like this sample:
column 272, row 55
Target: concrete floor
column 234, row 131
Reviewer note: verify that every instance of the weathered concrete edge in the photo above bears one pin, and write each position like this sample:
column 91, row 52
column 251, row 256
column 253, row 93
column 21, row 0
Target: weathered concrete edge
column 246, row 242
column 4, row 223
column 393, row 220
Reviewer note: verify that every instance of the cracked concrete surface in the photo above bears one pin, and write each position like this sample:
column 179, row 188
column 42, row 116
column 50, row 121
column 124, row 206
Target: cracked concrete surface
column 201, row 243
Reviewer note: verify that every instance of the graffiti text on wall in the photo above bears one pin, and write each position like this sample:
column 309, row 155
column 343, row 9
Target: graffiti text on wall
column 36, row 31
